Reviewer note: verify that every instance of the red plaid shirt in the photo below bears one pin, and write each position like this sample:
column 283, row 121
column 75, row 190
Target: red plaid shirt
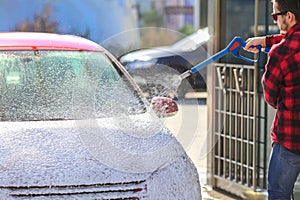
column 281, row 84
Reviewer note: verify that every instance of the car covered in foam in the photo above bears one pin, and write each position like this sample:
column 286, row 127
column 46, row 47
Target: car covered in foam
column 74, row 125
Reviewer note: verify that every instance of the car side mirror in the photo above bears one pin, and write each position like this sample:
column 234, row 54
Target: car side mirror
column 164, row 106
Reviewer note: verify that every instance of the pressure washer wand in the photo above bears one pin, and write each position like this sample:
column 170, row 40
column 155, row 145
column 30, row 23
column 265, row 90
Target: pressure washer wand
column 203, row 64
column 233, row 47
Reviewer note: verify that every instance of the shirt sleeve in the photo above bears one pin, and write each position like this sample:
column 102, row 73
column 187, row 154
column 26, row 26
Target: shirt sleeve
column 273, row 39
column 271, row 81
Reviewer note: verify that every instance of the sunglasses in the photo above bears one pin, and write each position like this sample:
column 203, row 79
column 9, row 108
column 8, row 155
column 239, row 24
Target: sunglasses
column 275, row 15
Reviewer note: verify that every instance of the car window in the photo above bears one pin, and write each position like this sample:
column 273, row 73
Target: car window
column 50, row 85
column 192, row 41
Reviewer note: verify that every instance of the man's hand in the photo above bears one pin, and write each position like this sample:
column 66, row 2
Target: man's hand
column 255, row 41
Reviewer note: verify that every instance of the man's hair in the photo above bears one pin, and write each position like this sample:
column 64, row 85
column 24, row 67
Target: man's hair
column 289, row 5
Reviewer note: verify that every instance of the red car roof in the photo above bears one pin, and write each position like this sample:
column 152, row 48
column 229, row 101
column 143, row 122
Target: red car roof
column 45, row 41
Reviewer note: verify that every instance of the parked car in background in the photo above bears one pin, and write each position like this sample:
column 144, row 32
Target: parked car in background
column 156, row 69
column 74, row 125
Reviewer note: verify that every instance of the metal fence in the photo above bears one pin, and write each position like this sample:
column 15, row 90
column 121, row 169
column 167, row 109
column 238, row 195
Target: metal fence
column 240, row 154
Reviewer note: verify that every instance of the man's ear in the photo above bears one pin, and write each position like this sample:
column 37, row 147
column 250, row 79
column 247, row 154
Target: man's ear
column 291, row 16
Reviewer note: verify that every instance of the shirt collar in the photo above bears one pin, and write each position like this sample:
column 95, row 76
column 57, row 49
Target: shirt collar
column 293, row 29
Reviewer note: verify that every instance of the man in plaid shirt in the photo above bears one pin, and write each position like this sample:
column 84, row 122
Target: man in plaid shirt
column 281, row 85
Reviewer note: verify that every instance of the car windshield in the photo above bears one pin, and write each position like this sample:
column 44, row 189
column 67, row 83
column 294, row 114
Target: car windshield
column 52, row 85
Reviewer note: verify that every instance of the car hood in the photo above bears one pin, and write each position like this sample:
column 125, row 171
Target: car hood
column 80, row 152
column 148, row 54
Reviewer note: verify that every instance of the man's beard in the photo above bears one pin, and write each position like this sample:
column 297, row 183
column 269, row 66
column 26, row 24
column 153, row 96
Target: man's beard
column 284, row 26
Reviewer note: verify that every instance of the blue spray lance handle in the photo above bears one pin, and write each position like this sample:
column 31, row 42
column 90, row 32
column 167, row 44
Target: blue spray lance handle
column 266, row 49
column 233, row 47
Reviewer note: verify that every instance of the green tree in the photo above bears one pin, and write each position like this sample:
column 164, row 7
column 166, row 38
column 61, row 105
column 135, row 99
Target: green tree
column 187, row 29
column 152, row 18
